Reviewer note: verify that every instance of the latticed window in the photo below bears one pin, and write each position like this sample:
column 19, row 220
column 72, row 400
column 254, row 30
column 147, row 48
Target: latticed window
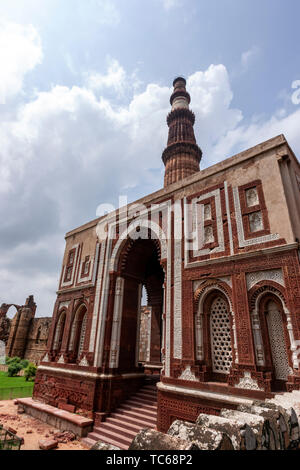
column 82, row 335
column 277, row 342
column 220, row 336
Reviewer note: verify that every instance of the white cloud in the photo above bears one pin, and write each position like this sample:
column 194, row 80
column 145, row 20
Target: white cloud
column 115, row 79
column 20, row 52
column 211, row 96
column 169, row 4
column 106, row 11
column 249, row 57
column 109, row 14
column 70, row 149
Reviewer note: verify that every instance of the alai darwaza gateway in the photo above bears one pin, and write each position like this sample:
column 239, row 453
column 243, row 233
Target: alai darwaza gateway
column 217, row 253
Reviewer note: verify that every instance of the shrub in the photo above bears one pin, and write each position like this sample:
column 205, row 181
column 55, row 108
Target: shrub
column 12, row 360
column 24, row 363
column 30, row 371
column 13, row 369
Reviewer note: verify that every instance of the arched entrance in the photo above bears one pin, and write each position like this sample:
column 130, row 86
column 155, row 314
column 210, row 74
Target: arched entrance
column 273, row 334
column 78, row 331
column 277, row 341
column 59, row 332
column 140, row 266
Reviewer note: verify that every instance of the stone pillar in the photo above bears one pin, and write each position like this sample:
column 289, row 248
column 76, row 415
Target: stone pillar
column 243, row 322
column 155, row 336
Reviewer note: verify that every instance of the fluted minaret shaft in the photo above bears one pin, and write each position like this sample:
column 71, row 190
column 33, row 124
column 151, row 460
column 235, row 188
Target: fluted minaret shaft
column 182, row 155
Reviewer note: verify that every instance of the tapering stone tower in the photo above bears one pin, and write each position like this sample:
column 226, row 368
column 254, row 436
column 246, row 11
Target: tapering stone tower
column 182, row 155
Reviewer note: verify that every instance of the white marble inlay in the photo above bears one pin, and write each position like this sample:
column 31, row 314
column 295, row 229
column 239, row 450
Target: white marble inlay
column 240, row 228
column 177, row 280
column 268, row 275
column 248, row 383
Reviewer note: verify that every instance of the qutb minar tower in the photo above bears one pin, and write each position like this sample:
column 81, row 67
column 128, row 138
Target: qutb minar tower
column 182, row 155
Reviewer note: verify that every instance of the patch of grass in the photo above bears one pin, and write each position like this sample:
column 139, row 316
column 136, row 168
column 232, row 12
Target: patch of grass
column 14, row 387
column 7, row 382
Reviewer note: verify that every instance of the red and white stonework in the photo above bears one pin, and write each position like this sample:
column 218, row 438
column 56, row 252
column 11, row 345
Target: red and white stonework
column 217, row 251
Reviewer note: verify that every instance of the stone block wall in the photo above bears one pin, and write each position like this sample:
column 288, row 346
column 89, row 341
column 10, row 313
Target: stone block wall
column 37, row 339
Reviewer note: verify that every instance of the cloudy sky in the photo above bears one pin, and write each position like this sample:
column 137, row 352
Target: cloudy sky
column 84, row 94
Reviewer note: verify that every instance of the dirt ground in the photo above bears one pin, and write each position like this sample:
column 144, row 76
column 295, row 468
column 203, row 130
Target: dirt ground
column 23, row 424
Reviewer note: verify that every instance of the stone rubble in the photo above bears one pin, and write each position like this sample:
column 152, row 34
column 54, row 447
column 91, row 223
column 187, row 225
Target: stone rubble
column 148, row 439
column 48, row 444
column 202, row 436
column 64, row 437
column 103, row 446
column 241, row 435
column 270, row 425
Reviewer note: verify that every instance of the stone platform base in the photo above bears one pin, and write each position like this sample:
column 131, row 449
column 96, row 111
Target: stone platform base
column 181, row 402
column 60, row 419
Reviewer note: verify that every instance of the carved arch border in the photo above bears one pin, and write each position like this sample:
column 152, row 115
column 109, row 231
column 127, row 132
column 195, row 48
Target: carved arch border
column 145, row 226
column 81, row 303
column 256, row 293
column 200, row 296
column 60, row 313
column 118, row 257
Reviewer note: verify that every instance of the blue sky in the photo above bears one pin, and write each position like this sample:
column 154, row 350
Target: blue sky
column 84, row 93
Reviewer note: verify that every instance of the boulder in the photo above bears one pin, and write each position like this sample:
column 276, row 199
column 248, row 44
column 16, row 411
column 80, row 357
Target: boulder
column 148, row 439
column 258, row 424
column 272, row 415
column 48, row 444
column 203, row 437
column 241, row 435
column 64, row 437
column 288, row 422
column 103, row 446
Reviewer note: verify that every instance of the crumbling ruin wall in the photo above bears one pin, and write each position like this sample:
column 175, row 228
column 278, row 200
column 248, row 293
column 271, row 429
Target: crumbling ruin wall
column 37, row 337
column 4, row 329
column 24, row 336
column 260, row 426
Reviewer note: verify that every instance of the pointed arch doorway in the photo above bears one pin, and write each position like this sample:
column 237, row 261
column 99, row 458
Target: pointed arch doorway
column 277, row 343
column 139, row 267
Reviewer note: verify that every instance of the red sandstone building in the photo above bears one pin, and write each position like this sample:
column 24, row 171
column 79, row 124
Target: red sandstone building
column 217, row 251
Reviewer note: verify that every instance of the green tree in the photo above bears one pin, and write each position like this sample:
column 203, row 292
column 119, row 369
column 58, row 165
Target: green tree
column 14, row 368
column 24, row 363
column 30, row 372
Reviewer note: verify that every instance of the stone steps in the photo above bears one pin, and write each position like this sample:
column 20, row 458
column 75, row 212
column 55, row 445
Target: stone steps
column 136, row 413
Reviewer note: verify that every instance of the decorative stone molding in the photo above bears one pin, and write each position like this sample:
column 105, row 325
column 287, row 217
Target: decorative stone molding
column 240, row 228
column 226, row 279
column 74, row 268
column 248, row 383
column 195, row 228
column 258, row 343
column 46, row 358
column 117, row 322
column 84, row 362
column 64, row 304
column 177, row 349
column 61, row 360
column 187, row 374
column 269, row 275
